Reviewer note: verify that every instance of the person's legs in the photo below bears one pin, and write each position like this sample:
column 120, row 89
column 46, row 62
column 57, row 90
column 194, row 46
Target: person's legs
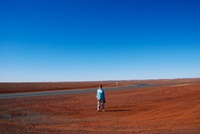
column 98, row 105
column 103, row 106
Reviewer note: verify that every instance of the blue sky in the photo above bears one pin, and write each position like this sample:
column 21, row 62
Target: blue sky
column 76, row 40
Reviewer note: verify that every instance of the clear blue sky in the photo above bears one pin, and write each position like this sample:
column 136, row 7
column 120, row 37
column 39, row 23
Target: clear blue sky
column 78, row 40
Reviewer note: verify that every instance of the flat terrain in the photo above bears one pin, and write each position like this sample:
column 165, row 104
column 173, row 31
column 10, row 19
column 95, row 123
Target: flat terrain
column 52, row 86
column 167, row 109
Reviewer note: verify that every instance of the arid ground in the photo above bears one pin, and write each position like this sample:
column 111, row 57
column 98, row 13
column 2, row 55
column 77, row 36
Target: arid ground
column 173, row 108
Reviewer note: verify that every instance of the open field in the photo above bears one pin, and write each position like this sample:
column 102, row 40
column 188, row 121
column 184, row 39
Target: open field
column 165, row 109
column 52, row 86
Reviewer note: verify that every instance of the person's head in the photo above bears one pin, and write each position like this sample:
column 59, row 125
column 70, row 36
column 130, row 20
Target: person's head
column 100, row 86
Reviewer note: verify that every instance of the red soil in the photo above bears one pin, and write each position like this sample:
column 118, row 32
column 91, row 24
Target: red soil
column 165, row 109
column 46, row 86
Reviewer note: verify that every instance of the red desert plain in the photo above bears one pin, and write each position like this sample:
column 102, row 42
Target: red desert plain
column 143, row 106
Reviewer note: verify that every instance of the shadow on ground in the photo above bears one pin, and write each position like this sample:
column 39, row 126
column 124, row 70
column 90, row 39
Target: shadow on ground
column 118, row 110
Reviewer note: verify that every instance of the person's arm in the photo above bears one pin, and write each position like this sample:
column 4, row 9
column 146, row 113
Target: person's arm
column 97, row 94
column 104, row 100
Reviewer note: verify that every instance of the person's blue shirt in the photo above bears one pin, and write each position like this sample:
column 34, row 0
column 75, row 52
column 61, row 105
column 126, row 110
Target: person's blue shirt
column 100, row 94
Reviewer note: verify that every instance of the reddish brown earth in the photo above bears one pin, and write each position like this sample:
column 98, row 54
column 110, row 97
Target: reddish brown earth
column 164, row 109
column 47, row 86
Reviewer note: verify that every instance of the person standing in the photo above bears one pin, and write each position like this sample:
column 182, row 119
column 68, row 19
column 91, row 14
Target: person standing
column 100, row 98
